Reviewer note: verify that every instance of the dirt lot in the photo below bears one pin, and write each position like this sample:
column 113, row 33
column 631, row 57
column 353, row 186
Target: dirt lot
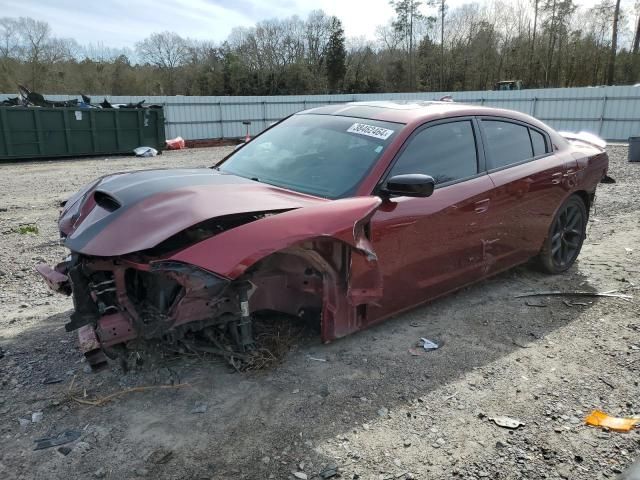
column 363, row 403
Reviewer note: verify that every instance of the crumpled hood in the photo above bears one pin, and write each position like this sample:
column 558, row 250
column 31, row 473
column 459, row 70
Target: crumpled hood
column 130, row 212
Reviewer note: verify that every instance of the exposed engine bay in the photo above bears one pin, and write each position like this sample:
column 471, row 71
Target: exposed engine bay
column 121, row 302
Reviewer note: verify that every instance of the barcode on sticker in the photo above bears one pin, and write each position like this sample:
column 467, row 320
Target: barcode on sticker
column 370, row 131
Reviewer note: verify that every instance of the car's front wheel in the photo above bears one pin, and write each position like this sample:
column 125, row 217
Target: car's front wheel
column 565, row 238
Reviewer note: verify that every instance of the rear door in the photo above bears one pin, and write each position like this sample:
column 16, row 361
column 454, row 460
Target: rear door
column 530, row 183
column 429, row 246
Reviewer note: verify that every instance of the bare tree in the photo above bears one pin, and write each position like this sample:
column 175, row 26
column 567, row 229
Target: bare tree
column 442, row 8
column 164, row 50
column 9, row 54
column 167, row 51
column 611, row 66
column 636, row 37
column 407, row 16
column 536, row 4
column 317, row 33
column 35, row 38
column 9, row 37
column 559, row 14
column 467, row 47
column 388, row 37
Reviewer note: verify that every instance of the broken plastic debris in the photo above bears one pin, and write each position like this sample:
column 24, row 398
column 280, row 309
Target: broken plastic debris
column 424, row 345
column 145, row 152
column 64, row 437
column 199, row 408
column 330, row 471
column 51, row 380
column 507, row 422
column 177, row 143
column 316, row 359
column 428, row 344
column 598, row 418
column 608, row 179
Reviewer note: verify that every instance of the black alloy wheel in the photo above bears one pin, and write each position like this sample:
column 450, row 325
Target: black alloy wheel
column 566, row 235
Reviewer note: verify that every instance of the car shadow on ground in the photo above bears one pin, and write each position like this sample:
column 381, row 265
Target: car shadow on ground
column 317, row 393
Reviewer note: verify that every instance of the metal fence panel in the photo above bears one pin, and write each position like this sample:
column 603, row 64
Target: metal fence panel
column 611, row 112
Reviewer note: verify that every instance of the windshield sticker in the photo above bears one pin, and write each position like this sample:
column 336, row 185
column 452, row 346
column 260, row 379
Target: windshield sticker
column 370, row 131
column 379, row 148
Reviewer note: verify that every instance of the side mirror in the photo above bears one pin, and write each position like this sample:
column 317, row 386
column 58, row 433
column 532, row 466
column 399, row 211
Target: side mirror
column 410, row 185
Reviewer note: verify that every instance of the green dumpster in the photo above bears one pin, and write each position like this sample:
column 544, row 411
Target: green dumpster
column 34, row 132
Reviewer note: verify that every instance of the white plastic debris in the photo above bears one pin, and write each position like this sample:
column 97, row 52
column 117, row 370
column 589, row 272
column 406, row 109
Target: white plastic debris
column 423, row 346
column 507, row 422
column 199, row 408
column 428, row 344
column 145, row 152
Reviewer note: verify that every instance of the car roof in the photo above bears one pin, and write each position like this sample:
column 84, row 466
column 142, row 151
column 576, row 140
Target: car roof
column 416, row 112
column 409, row 111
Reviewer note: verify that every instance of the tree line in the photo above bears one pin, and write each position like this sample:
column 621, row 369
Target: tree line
column 426, row 46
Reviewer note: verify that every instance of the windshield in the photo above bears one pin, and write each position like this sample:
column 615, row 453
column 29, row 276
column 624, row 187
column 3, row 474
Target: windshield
column 323, row 155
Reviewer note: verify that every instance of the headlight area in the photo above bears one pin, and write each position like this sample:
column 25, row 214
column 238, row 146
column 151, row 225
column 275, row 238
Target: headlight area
column 117, row 301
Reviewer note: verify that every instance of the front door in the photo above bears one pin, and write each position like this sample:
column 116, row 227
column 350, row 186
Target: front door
column 429, row 246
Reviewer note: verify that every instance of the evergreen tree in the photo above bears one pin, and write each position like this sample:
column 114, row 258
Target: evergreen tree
column 407, row 16
column 336, row 56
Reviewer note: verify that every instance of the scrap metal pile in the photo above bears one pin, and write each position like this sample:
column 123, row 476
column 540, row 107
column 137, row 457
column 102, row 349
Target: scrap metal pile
column 27, row 98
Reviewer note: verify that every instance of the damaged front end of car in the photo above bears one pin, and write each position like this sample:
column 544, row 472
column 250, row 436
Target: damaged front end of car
column 308, row 261
column 119, row 300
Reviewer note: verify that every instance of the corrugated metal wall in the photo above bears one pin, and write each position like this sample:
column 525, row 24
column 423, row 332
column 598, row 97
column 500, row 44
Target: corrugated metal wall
column 610, row 112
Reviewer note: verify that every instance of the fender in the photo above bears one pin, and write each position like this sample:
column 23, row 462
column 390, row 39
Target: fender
column 232, row 252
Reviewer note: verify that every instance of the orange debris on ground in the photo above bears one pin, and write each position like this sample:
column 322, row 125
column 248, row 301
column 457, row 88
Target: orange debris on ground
column 598, row 418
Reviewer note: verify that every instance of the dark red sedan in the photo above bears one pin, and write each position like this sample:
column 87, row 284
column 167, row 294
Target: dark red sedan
column 344, row 215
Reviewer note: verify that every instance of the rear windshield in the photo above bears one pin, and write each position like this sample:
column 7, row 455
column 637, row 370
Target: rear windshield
column 322, row 155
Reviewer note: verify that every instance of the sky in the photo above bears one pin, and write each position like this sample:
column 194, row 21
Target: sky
column 122, row 23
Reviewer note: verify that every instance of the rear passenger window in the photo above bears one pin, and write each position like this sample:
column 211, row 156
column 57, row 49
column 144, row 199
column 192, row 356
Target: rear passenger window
column 446, row 151
column 539, row 142
column 507, row 143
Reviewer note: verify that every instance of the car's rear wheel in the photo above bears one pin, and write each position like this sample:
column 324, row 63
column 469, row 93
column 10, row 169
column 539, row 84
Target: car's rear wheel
column 565, row 238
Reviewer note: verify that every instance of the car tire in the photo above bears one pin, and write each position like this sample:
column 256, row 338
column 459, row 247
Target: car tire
column 566, row 235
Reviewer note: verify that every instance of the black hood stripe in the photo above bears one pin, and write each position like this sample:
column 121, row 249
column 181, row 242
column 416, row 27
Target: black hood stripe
column 129, row 189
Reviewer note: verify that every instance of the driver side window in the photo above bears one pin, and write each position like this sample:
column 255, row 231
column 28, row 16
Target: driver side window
column 446, row 151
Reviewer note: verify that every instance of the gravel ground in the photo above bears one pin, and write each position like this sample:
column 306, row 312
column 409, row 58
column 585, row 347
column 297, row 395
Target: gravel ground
column 368, row 408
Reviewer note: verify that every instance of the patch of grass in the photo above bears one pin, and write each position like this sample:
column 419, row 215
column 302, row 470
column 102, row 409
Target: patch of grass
column 28, row 229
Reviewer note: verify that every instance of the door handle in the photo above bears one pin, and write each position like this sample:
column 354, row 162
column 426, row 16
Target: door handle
column 481, row 206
